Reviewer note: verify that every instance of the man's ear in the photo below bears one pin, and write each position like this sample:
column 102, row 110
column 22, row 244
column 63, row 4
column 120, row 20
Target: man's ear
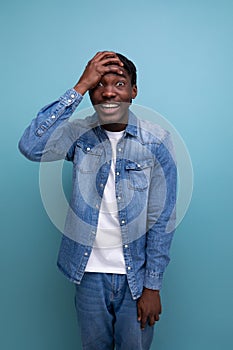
column 134, row 91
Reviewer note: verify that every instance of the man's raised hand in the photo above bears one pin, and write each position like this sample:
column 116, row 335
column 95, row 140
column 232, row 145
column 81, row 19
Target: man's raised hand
column 102, row 63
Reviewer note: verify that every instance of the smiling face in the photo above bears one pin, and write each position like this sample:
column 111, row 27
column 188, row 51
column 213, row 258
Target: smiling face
column 111, row 99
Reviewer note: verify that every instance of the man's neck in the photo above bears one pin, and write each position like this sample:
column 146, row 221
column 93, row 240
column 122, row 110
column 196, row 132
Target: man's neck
column 114, row 127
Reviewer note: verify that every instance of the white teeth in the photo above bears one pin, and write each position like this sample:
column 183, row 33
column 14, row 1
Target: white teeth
column 110, row 105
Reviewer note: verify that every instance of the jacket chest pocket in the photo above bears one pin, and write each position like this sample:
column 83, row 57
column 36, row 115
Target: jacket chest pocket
column 138, row 174
column 87, row 157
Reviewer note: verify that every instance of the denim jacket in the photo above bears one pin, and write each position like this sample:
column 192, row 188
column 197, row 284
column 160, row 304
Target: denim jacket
column 145, row 188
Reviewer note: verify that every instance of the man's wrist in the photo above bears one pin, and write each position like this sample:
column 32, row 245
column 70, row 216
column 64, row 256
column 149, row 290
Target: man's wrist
column 155, row 291
column 81, row 88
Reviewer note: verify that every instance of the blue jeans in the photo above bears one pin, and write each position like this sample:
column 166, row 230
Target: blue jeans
column 107, row 314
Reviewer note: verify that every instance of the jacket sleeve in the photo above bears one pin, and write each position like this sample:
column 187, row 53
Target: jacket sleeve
column 161, row 214
column 50, row 135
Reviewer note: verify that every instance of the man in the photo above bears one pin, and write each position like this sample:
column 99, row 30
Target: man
column 121, row 218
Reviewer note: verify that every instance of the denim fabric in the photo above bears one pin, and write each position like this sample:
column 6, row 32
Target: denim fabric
column 107, row 314
column 145, row 188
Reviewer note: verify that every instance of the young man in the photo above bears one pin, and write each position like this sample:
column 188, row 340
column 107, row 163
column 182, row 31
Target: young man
column 121, row 218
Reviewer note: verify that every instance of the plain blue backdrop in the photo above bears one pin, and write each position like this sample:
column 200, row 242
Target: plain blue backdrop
column 184, row 54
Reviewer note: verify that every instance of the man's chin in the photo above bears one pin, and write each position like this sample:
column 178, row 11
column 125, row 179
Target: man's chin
column 113, row 122
column 112, row 118
column 109, row 119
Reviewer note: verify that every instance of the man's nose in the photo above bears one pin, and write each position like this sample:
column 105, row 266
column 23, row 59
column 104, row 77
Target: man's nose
column 109, row 92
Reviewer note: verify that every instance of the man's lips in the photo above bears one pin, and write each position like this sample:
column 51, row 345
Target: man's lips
column 109, row 106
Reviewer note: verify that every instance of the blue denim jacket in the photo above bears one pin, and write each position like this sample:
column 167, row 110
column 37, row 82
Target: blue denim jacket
column 145, row 187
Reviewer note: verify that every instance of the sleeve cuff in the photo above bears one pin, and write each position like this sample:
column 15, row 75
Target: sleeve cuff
column 70, row 97
column 153, row 280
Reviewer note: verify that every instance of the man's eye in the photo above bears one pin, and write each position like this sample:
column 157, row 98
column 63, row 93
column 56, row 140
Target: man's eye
column 120, row 83
column 99, row 84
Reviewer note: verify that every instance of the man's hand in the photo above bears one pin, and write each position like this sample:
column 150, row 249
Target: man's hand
column 102, row 63
column 149, row 307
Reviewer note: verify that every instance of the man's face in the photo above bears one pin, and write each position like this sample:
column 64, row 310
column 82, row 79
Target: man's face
column 111, row 99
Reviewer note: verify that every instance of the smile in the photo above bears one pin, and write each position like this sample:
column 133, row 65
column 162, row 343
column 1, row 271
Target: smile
column 109, row 105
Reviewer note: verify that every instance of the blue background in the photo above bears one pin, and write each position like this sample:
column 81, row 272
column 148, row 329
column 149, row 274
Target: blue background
column 184, row 54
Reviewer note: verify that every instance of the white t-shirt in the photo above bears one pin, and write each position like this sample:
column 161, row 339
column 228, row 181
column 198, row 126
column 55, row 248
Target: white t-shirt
column 107, row 253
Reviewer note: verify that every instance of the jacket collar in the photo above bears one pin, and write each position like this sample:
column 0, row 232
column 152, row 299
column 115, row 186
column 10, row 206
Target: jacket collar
column 132, row 126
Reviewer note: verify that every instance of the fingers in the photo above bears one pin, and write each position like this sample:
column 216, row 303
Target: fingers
column 143, row 322
column 153, row 319
column 112, row 69
column 107, row 60
column 147, row 318
column 139, row 313
column 141, row 317
column 107, row 55
column 97, row 69
column 111, row 60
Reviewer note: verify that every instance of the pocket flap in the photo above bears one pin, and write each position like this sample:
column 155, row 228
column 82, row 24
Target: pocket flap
column 140, row 165
column 89, row 148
